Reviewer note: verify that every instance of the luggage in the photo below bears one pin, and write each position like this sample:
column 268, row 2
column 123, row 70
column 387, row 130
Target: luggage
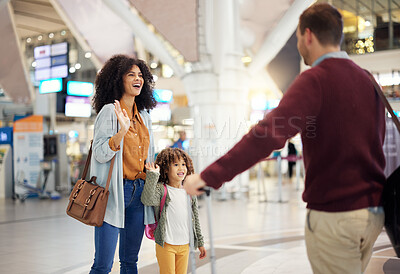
column 391, row 205
column 391, row 189
column 192, row 257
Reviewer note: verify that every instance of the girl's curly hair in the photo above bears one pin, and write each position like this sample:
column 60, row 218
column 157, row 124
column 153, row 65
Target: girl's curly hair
column 109, row 83
column 167, row 157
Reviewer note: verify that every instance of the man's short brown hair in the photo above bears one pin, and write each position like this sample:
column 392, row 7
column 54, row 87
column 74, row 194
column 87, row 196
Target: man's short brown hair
column 325, row 21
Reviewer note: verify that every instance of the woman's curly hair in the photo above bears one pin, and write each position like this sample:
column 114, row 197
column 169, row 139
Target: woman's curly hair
column 167, row 157
column 109, row 83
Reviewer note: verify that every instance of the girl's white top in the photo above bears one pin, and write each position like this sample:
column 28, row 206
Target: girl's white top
column 177, row 221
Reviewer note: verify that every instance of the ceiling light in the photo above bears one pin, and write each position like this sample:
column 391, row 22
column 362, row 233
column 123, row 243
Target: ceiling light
column 78, row 66
column 28, row 40
column 63, row 32
column 34, row 64
column 167, row 71
column 72, row 70
column 51, row 35
column 153, row 65
column 246, row 59
column 40, row 37
column 188, row 67
column 88, row 54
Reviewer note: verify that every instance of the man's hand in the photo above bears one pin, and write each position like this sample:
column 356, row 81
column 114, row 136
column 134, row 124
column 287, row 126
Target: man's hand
column 192, row 184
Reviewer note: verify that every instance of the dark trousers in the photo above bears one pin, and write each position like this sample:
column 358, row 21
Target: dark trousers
column 290, row 167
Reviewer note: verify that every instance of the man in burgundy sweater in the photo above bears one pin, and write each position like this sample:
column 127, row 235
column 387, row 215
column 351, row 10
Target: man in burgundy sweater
column 340, row 118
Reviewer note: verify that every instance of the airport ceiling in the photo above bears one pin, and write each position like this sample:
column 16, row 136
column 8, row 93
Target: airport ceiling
column 36, row 17
column 367, row 6
column 176, row 23
column 39, row 17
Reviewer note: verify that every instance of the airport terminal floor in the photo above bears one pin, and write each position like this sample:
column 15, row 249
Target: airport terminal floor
column 250, row 236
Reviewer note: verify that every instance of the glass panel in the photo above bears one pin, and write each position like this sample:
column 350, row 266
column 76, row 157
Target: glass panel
column 368, row 25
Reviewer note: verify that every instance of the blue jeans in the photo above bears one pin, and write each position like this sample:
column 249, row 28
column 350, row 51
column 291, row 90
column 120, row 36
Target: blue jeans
column 130, row 237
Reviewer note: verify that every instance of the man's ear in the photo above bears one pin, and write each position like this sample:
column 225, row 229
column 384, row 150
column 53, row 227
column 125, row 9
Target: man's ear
column 309, row 36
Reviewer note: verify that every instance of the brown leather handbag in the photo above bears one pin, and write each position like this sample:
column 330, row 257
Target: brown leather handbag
column 88, row 200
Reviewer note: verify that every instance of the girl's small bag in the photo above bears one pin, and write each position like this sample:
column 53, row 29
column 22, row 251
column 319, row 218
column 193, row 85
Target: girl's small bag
column 88, row 200
column 151, row 228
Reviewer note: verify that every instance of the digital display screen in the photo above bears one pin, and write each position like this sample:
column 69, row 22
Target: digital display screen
column 6, row 135
column 162, row 112
column 163, row 95
column 77, row 106
column 59, row 49
column 59, row 60
column 50, row 85
column 41, row 52
column 43, row 63
column 53, row 58
column 42, row 74
column 59, row 71
column 77, row 88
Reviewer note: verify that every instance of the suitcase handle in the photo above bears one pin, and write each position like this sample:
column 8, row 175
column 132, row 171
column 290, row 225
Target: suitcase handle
column 207, row 190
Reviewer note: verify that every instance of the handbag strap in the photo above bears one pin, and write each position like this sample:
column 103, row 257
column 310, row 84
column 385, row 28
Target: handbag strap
column 384, row 100
column 163, row 198
column 85, row 170
column 88, row 163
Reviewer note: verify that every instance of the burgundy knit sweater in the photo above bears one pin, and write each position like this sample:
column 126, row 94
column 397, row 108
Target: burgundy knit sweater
column 341, row 120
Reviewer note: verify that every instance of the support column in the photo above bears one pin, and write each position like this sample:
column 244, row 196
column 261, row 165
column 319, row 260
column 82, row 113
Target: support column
column 218, row 94
column 220, row 116
column 52, row 112
column 390, row 24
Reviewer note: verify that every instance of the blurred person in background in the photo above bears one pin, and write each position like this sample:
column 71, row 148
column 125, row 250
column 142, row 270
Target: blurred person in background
column 342, row 147
column 181, row 142
column 292, row 152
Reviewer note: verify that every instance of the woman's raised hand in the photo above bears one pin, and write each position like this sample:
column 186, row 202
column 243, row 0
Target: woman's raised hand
column 122, row 117
column 152, row 167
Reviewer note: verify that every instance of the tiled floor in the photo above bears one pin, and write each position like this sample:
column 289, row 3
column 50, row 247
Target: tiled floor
column 249, row 237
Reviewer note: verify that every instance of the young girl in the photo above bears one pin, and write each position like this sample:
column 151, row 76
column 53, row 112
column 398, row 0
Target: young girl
column 172, row 232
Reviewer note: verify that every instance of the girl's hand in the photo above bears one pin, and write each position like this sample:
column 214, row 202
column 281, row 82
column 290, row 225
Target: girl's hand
column 152, row 167
column 203, row 252
column 122, row 117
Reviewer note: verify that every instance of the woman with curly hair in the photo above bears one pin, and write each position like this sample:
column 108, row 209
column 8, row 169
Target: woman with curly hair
column 124, row 94
column 172, row 232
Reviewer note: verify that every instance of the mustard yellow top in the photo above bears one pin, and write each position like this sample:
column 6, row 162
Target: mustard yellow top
column 136, row 145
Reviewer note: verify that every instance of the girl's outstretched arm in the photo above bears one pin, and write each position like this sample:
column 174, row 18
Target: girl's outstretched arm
column 150, row 195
